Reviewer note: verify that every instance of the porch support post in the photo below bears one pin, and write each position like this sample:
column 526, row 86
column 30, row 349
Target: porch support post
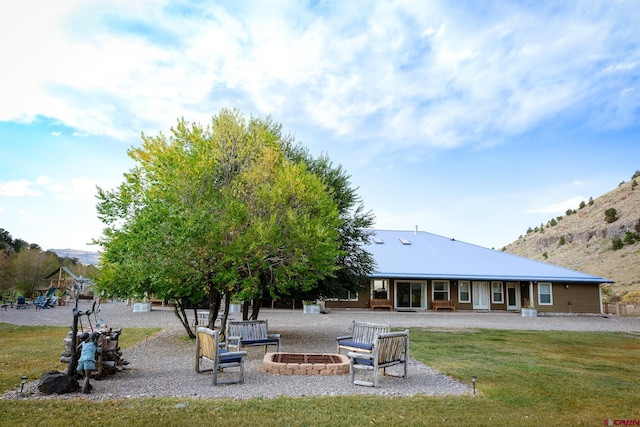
column 531, row 300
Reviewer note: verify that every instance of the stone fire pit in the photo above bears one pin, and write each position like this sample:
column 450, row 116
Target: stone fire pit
column 305, row 364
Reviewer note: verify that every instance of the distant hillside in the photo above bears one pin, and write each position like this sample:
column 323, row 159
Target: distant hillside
column 85, row 257
column 584, row 240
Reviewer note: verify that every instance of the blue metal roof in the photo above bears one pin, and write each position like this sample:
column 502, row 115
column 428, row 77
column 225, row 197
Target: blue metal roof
column 422, row 255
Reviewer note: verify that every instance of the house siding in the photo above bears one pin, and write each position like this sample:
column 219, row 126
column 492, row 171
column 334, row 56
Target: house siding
column 584, row 298
column 572, row 298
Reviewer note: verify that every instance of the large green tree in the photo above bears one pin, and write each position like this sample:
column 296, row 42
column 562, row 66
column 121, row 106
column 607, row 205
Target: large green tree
column 356, row 263
column 217, row 211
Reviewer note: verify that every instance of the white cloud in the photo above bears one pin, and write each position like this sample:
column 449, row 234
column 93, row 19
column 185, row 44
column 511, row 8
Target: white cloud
column 560, row 207
column 403, row 74
column 82, row 189
column 43, row 180
column 18, row 188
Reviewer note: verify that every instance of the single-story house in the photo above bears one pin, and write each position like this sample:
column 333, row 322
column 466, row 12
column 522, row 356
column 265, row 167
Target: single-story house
column 416, row 268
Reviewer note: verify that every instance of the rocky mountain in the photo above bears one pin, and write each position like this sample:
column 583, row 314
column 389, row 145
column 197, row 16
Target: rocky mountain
column 599, row 237
column 85, row 257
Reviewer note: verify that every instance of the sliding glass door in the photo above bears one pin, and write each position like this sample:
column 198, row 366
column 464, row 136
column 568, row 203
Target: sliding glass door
column 410, row 294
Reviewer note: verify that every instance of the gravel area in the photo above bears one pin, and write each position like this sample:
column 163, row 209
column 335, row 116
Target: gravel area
column 163, row 365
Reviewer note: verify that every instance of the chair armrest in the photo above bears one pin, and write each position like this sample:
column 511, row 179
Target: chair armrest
column 353, row 355
column 344, row 337
column 235, row 354
column 273, row 335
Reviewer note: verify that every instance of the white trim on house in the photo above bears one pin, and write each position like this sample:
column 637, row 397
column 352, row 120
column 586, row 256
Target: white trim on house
column 464, row 287
column 541, row 294
column 497, row 295
column 480, row 295
column 516, row 296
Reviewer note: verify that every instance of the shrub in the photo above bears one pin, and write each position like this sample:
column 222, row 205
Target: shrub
column 633, row 296
column 610, row 215
column 545, row 255
column 561, row 241
column 616, row 244
column 590, row 201
column 631, row 238
column 634, row 184
column 582, row 204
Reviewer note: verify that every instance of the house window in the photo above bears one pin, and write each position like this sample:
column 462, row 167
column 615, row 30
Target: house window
column 351, row 296
column 545, row 297
column 464, row 291
column 496, row 293
column 440, row 290
column 380, row 289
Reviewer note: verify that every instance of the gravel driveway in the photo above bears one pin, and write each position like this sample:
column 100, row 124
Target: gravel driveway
column 164, row 365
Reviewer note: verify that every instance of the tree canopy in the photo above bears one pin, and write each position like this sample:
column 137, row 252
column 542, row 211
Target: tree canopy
column 228, row 209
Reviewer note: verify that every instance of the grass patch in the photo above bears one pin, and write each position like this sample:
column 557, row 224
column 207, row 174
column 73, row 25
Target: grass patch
column 34, row 350
column 525, row 378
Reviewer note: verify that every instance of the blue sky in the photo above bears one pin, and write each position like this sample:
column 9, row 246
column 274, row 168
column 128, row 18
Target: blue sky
column 472, row 120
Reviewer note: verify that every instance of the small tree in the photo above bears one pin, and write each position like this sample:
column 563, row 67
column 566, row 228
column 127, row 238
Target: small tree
column 561, row 241
column 616, row 244
column 630, row 238
column 611, row 215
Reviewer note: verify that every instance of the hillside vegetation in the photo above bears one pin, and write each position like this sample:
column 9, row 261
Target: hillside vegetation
column 599, row 237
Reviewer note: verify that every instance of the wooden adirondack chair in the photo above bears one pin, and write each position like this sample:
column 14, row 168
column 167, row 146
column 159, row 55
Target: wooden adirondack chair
column 389, row 349
column 208, row 348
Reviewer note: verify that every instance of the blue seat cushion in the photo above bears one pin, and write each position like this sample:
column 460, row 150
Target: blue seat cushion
column 355, row 344
column 361, row 361
column 264, row 341
column 225, row 357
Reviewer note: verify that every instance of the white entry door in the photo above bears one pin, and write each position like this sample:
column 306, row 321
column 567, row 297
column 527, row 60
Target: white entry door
column 480, row 291
column 513, row 296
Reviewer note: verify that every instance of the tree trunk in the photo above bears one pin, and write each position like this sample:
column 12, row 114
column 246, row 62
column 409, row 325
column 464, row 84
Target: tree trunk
column 225, row 315
column 245, row 310
column 257, row 303
column 178, row 310
column 213, row 311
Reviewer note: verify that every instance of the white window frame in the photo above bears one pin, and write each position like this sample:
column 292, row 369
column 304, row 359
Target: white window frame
column 493, row 299
column 351, row 296
column 433, row 289
column 540, row 293
column 379, row 284
column 467, row 284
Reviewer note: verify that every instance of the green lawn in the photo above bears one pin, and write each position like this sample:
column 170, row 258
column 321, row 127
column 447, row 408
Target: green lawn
column 525, row 378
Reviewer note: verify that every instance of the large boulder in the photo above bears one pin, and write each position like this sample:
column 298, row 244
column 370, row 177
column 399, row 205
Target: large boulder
column 57, row 382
